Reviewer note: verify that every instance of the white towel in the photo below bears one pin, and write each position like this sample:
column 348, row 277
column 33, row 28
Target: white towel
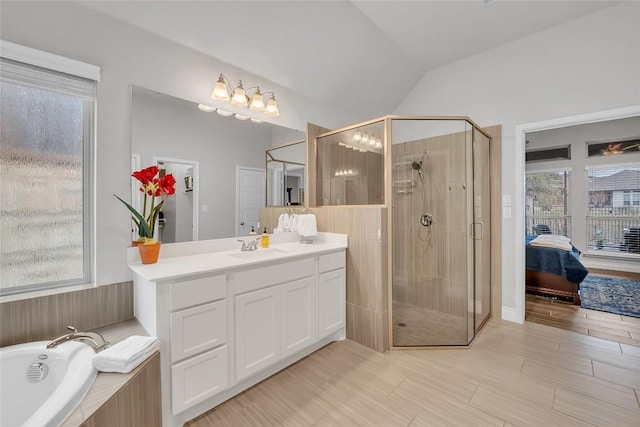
column 280, row 227
column 126, row 355
column 293, row 222
column 552, row 241
column 307, row 225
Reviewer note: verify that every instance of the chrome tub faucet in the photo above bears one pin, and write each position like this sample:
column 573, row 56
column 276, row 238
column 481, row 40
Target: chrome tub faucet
column 97, row 340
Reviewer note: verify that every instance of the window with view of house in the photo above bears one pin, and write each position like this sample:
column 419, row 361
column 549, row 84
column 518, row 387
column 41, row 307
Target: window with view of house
column 47, row 120
column 548, row 206
column 613, row 213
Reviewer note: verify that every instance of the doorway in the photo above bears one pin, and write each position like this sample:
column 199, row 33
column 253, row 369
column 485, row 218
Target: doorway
column 573, row 317
column 250, row 198
column 179, row 218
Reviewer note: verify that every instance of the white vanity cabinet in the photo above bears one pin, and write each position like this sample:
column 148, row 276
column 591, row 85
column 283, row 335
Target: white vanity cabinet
column 197, row 333
column 224, row 329
column 277, row 320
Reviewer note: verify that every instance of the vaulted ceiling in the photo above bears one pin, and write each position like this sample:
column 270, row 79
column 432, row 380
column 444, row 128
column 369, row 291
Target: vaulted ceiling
column 365, row 56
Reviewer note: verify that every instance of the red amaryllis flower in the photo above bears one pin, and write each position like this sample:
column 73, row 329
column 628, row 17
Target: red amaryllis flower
column 152, row 187
column 145, row 176
column 166, row 184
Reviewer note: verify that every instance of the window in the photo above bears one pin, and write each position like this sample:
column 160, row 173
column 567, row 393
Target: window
column 548, row 202
column 613, row 148
column 614, row 207
column 47, row 120
column 546, row 154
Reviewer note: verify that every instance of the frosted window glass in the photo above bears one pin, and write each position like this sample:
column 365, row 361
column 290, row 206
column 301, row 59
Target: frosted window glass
column 42, row 176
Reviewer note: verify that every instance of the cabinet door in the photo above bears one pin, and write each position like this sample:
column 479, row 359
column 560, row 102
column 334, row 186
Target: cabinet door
column 298, row 315
column 197, row 329
column 257, row 330
column 198, row 378
column 331, row 302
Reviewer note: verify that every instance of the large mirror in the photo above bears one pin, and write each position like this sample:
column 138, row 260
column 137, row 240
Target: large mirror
column 285, row 174
column 218, row 163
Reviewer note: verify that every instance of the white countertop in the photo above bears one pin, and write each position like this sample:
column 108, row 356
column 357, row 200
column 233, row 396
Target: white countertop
column 190, row 258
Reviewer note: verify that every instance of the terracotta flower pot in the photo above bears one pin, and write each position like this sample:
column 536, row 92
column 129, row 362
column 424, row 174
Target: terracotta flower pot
column 149, row 253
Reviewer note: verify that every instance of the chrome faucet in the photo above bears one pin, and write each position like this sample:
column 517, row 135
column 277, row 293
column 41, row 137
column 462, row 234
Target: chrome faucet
column 98, row 341
column 251, row 246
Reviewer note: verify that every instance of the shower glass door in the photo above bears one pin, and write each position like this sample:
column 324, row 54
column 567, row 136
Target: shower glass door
column 433, row 252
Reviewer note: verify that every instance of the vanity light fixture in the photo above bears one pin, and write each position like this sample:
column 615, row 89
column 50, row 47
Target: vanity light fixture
column 239, row 97
column 206, row 108
column 224, row 113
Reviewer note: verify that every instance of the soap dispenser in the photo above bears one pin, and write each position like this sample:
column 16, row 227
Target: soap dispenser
column 252, row 232
column 264, row 239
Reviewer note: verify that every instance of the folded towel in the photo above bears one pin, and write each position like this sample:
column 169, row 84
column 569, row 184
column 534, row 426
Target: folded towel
column 293, row 222
column 307, row 225
column 553, row 241
column 126, row 355
column 280, row 227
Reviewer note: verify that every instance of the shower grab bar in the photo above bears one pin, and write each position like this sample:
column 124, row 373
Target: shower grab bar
column 472, row 229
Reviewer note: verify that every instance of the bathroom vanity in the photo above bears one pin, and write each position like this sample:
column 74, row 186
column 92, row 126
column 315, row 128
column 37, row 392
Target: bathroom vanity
column 228, row 319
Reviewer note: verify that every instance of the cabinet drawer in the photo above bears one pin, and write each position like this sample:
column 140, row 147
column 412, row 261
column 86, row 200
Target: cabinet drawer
column 197, row 291
column 197, row 329
column 262, row 277
column 332, row 261
column 198, row 378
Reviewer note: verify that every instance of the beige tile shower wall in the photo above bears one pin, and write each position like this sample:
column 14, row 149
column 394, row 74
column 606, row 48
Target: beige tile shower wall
column 367, row 292
column 46, row 317
column 430, row 264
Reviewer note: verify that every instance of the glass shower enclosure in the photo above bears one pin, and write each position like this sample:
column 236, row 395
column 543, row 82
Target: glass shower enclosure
column 440, row 284
column 433, row 176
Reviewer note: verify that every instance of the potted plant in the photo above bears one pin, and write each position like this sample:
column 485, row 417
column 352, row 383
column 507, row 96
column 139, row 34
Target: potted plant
column 153, row 186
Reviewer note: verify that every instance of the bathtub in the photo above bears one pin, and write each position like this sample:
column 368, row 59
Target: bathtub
column 41, row 387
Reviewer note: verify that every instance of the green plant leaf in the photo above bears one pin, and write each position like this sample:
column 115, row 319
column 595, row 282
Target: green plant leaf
column 143, row 227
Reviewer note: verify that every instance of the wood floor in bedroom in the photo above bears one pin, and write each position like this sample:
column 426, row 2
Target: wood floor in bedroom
column 559, row 314
column 511, row 375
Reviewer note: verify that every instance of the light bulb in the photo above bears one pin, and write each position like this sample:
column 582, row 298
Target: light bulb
column 224, row 113
column 272, row 107
column 220, row 92
column 357, row 136
column 365, row 138
column 257, row 103
column 239, row 97
column 206, row 108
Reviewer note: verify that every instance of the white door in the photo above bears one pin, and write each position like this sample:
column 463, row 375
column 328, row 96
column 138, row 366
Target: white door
column 249, row 199
column 298, row 315
column 331, row 302
column 257, row 331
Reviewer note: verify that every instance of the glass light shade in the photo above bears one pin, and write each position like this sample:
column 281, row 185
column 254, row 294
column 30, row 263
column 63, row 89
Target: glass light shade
column 357, row 136
column 272, row 107
column 220, row 92
column 257, row 120
column 257, row 103
column 206, row 108
column 241, row 117
column 224, row 113
column 364, row 138
column 239, row 97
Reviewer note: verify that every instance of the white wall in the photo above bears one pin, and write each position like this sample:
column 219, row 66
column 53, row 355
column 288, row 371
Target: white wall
column 587, row 65
column 129, row 56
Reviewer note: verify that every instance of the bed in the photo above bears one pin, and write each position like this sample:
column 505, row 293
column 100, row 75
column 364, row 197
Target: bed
column 554, row 272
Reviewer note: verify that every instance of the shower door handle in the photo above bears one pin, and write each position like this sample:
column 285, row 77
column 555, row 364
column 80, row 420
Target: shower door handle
column 472, row 230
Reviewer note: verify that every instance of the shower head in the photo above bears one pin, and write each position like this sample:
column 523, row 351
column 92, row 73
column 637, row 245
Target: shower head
column 417, row 166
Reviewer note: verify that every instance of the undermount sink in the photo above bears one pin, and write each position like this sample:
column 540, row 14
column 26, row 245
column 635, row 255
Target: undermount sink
column 259, row 253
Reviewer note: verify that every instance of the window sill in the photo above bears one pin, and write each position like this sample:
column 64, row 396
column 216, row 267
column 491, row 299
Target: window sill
column 44, row 293
column 611, row 261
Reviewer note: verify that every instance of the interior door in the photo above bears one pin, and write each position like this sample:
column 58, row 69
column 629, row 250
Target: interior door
column 250, row 198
